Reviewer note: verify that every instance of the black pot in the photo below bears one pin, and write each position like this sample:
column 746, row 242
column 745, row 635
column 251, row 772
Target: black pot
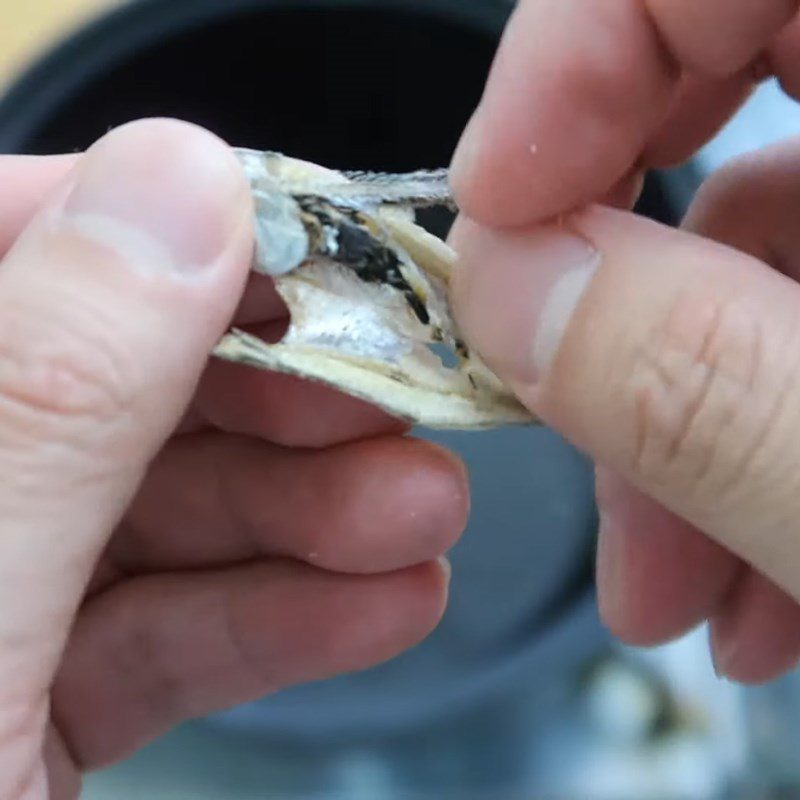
column 346, row 82
column 362, row 84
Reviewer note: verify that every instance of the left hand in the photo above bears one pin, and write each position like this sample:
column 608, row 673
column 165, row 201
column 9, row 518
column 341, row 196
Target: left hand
column 178, row 537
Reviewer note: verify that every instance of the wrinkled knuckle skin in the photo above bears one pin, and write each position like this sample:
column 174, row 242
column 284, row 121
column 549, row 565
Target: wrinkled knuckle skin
column 21, row 722
column 691, row 390
column 54, row 373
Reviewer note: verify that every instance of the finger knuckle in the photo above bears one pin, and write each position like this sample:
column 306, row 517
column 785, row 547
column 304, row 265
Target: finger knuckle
column 52, row 371
column 699, row 415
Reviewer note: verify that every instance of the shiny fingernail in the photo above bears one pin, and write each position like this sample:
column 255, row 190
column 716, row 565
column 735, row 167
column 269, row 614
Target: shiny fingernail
column 721, row 655
column 166, row 194
column 610, row 571
column 447, row 569
column 516, row 291
column 466, row 155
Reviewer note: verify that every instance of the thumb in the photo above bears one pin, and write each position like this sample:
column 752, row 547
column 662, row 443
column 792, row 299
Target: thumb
column 665, row 356
column 110, row 303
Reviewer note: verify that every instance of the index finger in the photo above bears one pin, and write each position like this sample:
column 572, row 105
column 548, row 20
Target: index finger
column 578, row 88
column 27, row 181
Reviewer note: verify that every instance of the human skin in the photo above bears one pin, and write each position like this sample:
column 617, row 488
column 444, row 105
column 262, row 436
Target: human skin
column 179, row 535
column 666, row 356
column 669, row 356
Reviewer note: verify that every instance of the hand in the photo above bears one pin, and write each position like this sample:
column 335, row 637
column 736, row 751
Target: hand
column 178, row 538
column 670, row 359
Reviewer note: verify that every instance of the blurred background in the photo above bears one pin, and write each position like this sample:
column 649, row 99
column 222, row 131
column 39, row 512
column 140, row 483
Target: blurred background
column 520, row 694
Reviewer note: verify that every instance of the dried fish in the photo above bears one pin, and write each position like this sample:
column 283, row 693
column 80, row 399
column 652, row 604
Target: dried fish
column 366, row 289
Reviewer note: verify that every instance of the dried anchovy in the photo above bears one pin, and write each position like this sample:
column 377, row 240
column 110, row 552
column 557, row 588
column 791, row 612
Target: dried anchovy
column 414, row 190
column 366, row 288
column 302, row 216
column 343, row 236
column 420, row 189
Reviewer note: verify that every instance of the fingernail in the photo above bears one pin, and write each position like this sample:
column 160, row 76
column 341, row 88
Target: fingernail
column 515, row 293
column 611, row 592
column 721, row 656
column 166, row 194
column 715, row 664
column 447, row 569
column 466, row 154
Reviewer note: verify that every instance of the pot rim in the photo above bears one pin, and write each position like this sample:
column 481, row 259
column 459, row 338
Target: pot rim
column 108, row 40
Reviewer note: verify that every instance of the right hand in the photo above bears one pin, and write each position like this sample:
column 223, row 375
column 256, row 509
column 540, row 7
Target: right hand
column 671, row 360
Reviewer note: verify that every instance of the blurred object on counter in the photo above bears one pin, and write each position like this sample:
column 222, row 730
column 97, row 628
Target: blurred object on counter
column 31, row 27
column 769, row 116
column 772, row 722
column 655, row 725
